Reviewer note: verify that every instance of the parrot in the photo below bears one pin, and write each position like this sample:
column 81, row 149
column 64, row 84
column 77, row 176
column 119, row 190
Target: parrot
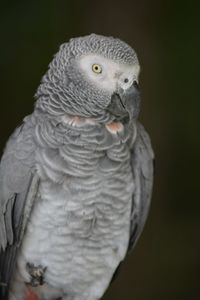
column 76, row 176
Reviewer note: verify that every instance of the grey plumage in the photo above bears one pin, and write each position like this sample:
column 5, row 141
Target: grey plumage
column 65, row 172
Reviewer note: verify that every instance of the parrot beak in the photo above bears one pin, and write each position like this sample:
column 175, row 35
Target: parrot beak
column 125, row 104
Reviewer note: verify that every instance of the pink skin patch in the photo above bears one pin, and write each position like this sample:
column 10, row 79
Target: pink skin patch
column 78, row 121
column 31, row 296
column 115, row 127
column 74, row 121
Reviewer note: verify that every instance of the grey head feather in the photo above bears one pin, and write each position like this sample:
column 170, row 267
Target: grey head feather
column 63, row 88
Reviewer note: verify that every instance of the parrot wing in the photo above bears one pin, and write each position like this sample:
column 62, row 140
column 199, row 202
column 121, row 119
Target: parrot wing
column 18, row 189
column 142, row 168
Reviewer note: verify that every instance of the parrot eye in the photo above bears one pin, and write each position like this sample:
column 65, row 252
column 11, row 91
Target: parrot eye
column 97, row 68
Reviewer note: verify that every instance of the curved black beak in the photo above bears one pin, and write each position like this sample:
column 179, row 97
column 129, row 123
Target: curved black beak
column 125, row 104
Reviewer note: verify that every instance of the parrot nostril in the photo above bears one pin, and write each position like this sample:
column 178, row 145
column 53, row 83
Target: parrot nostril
column 135, row 84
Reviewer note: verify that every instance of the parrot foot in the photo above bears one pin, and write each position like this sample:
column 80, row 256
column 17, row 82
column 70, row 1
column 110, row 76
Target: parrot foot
column 36, row 273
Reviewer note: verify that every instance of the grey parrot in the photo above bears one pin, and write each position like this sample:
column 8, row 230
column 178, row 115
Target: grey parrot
column 76, row 176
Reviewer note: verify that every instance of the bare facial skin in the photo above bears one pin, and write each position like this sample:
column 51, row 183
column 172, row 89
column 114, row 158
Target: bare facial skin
column 108, row 74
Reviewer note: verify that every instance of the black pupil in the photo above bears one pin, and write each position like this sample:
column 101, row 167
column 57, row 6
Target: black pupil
column 126, row 80
column 96, row 68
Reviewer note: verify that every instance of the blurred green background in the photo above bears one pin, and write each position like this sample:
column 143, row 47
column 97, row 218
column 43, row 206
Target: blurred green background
column 166, row 262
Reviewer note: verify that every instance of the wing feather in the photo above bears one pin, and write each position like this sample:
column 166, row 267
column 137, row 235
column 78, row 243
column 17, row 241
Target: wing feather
column 142, row 168
column 18, row 189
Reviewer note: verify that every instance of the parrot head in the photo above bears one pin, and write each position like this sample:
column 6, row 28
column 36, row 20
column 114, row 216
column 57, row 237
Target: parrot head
column 92, row 77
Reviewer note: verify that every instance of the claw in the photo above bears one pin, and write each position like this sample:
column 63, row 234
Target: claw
column 36, row 273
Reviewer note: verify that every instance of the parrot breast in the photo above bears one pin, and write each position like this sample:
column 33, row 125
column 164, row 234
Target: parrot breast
column 79, row 226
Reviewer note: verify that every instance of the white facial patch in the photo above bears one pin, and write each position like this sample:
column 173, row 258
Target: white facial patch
column 110, row 74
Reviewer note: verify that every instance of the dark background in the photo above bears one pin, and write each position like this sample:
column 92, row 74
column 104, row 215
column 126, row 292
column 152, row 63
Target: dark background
column 166, row 262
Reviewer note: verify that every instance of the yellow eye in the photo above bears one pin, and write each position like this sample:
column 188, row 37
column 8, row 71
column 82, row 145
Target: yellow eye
column 97, row 68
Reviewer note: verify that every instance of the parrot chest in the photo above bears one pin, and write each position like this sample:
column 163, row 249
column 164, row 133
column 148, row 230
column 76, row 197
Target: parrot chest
column 79, row 227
